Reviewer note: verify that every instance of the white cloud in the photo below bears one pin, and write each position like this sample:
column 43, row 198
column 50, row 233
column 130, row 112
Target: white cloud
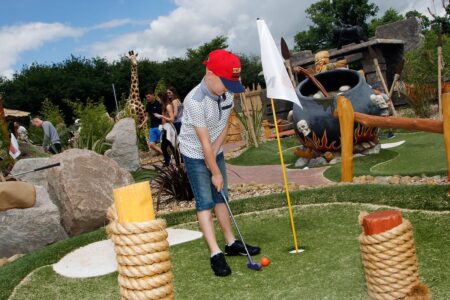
column 19, row 38
column 116, row 23
column 195, row 22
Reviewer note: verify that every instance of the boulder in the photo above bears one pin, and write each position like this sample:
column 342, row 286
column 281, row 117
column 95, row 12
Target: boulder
column 124, row 141
column 301, row 162
column 25, row 230
column 28, row 164
column 316, row 162
column 82, row 188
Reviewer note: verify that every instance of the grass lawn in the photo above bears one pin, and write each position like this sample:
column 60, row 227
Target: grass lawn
column 330, row 268
column 267, row 153
column 422, row 153
column 412, row 197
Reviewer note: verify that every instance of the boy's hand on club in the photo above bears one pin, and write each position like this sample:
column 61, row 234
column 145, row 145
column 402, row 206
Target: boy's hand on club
column 217, row 181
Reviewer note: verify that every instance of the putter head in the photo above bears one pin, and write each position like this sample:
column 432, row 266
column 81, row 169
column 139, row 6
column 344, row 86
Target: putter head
column 254, row 266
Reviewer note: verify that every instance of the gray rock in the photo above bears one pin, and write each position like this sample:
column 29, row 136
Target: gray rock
column 408, row 30
column 301, row 162
column 381, row 180
column 318, row 161
column 335, row 161
column 25, row 230
column 82, row 188
column 374, row 150
column 124, row 141
column 358, row 155
column 28, row 164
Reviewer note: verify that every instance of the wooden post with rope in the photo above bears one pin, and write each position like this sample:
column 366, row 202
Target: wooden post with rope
column 389, row 257
column 141, row 245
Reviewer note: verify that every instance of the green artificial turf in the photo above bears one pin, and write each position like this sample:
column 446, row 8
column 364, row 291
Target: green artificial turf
column 330, row 268
column 267, row 153
column 422, row 153
column 413, row 197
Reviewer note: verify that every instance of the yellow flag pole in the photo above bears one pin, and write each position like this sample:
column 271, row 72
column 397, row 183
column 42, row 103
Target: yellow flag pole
column 288, row 196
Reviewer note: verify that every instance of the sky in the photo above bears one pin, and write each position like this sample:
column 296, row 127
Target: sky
column 49, row 31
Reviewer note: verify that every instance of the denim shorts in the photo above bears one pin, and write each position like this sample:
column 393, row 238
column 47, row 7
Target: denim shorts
column 155, row 134
column 205, row 194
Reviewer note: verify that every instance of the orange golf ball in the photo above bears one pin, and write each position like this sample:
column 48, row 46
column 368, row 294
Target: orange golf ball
column 265, row 261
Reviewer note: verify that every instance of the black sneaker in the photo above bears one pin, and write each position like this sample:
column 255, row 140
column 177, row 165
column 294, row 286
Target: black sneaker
column 219, row 265
column 237, row 248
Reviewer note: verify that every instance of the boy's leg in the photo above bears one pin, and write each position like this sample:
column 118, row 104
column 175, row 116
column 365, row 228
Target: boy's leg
column 223, row 217
column 206, row 223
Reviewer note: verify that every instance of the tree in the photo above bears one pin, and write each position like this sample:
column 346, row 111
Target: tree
column 325, row 13
column 390, row 16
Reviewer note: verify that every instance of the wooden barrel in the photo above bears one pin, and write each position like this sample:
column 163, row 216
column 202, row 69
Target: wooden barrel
column 234, row 131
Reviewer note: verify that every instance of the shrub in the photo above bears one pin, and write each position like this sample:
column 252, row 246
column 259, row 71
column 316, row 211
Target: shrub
column 95, row 125
column 173, row 182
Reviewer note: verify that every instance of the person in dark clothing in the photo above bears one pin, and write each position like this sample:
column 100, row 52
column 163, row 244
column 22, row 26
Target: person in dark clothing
column 153, row 108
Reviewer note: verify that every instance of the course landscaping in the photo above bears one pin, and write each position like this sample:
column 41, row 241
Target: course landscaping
column 328, row 233
column 421, row 154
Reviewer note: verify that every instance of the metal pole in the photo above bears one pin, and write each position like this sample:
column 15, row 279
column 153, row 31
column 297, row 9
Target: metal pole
column 115, row 98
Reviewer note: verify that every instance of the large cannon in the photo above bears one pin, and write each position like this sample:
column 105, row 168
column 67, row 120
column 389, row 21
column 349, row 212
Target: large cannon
column 315, row 125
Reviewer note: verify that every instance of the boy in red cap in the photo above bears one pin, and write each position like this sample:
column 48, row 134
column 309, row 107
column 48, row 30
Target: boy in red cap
column 207, row 109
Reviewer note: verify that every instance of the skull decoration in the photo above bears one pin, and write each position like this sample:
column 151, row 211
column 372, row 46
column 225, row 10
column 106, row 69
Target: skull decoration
column 303, row 127
column 379, row 101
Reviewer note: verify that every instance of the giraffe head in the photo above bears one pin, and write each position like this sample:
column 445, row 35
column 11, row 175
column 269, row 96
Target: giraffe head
column 132, row 57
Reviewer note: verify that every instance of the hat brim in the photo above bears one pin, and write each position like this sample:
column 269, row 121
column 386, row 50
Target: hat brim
column 234, row 86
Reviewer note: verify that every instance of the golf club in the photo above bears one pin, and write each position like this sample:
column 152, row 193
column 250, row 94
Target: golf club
column 251, row 264
column 37, row 169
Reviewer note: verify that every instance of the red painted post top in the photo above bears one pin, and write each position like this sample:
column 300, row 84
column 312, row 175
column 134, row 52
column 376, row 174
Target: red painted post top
column 381, row 221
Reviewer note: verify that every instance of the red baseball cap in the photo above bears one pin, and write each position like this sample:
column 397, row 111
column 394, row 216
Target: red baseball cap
column 227, row 66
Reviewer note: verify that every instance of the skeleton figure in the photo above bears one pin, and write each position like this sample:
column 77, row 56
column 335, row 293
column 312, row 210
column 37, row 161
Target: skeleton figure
column 303, row 127
column 379, row 101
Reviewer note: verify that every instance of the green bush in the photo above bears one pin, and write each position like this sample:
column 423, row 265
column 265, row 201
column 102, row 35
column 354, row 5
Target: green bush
column 95, row 125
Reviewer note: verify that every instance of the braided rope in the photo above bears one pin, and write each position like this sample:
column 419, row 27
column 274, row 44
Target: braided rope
column 390, row 263
column 142, row 252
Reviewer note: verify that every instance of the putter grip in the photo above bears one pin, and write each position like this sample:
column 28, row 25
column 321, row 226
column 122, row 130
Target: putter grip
column 47, row 167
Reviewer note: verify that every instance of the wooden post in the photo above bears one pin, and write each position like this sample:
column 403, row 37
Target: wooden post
column 439, row 57
column 134, row 203
column 446, row 121
column 346, row 121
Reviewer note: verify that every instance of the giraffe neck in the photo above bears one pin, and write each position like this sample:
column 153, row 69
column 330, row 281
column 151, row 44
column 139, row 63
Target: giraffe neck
column 134, row 90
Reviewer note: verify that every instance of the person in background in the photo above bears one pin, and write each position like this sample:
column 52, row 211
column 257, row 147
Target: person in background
column 22, row 133
column 153, row 107
column 177, row 107
column 168, row 133
column 51, row 142
column 380, row 98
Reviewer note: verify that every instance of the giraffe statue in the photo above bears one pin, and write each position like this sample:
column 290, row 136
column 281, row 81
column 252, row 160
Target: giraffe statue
column 134, row 104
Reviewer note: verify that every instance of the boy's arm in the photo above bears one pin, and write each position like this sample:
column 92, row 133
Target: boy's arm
column 46, row 138
column 220, row 139
column 210, row 157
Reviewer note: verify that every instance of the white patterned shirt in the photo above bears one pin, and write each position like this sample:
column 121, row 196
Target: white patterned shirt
column 201, row 109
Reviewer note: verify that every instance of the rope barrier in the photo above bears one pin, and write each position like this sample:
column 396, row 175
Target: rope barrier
column 143, row 256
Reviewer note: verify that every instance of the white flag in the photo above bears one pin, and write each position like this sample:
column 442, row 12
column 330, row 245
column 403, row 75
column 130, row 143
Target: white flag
column 278, row 84
column 14, row 147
